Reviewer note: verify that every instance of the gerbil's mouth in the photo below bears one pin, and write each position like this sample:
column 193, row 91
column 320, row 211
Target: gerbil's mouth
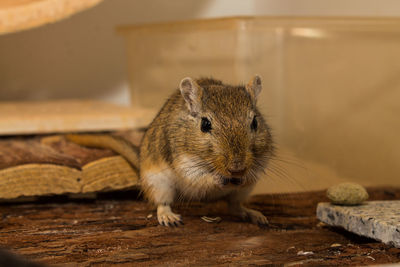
column 231, row 180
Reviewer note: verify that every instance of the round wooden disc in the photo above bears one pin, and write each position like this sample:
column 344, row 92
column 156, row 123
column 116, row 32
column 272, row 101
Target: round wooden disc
column 17, row 15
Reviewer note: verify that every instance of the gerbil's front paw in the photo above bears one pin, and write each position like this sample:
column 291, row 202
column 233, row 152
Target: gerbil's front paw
column 166, row 217
column 256, row 217
column 169, row 219
column 253, row 216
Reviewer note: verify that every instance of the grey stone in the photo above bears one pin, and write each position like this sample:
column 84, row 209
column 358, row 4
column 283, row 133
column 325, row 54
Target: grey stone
column 379, row 220
column 347, row 194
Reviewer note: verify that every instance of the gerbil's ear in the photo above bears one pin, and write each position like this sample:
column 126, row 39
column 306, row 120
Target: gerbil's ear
column 192, row 93
column 254, row 87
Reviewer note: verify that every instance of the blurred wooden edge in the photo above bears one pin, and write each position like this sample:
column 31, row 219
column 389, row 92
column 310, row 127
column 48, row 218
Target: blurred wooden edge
column 70, row 116
column 17, row 15
column 106, row 174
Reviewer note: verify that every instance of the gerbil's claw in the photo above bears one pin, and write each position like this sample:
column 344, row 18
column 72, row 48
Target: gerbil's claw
column 253, row 216
column 167, row 218
column 263, row 222
column 257, row 217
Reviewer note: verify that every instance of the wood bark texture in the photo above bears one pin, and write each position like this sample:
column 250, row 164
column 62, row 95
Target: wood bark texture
column 37, row 166
column 120, row 230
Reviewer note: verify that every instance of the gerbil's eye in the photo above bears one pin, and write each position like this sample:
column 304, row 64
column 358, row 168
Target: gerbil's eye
column 205, row 125
column 254, row 124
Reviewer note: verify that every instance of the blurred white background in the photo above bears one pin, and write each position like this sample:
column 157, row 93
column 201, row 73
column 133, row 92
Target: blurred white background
column 83, row 57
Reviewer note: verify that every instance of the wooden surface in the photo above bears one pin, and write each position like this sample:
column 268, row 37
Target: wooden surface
column 120, row 231
column 17, row 15
column 45, row 165
column 69, row 116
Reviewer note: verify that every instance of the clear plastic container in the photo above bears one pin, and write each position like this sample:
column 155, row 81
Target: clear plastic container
column 331, row 88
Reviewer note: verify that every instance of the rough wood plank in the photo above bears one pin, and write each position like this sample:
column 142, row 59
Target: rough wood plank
column 108, row 231
column 82, row 155
column 17, row 151
column 69, row 116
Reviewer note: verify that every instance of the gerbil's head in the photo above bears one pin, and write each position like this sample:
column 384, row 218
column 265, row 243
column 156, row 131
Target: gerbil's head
column 225, row 134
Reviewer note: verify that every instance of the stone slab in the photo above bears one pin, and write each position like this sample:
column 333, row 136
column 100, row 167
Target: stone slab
column 379, row 220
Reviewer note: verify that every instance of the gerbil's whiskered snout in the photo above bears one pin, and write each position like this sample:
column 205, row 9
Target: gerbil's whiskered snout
column 237, row 167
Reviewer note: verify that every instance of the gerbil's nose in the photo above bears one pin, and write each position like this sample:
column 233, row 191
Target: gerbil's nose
column 237, row 168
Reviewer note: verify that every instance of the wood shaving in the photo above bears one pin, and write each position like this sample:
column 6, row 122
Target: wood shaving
column 211, row 220
column 304, row 253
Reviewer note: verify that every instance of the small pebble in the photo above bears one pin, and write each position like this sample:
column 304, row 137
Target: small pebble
column 347, row 194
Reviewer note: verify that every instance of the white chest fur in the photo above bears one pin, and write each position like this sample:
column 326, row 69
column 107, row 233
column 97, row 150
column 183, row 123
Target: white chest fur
column 195, row 182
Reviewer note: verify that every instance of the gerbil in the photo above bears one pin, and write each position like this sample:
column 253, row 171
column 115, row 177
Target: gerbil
column 208, row 142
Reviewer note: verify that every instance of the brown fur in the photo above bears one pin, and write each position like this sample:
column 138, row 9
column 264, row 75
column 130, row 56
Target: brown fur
column 175, row 136
column 178, row 161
